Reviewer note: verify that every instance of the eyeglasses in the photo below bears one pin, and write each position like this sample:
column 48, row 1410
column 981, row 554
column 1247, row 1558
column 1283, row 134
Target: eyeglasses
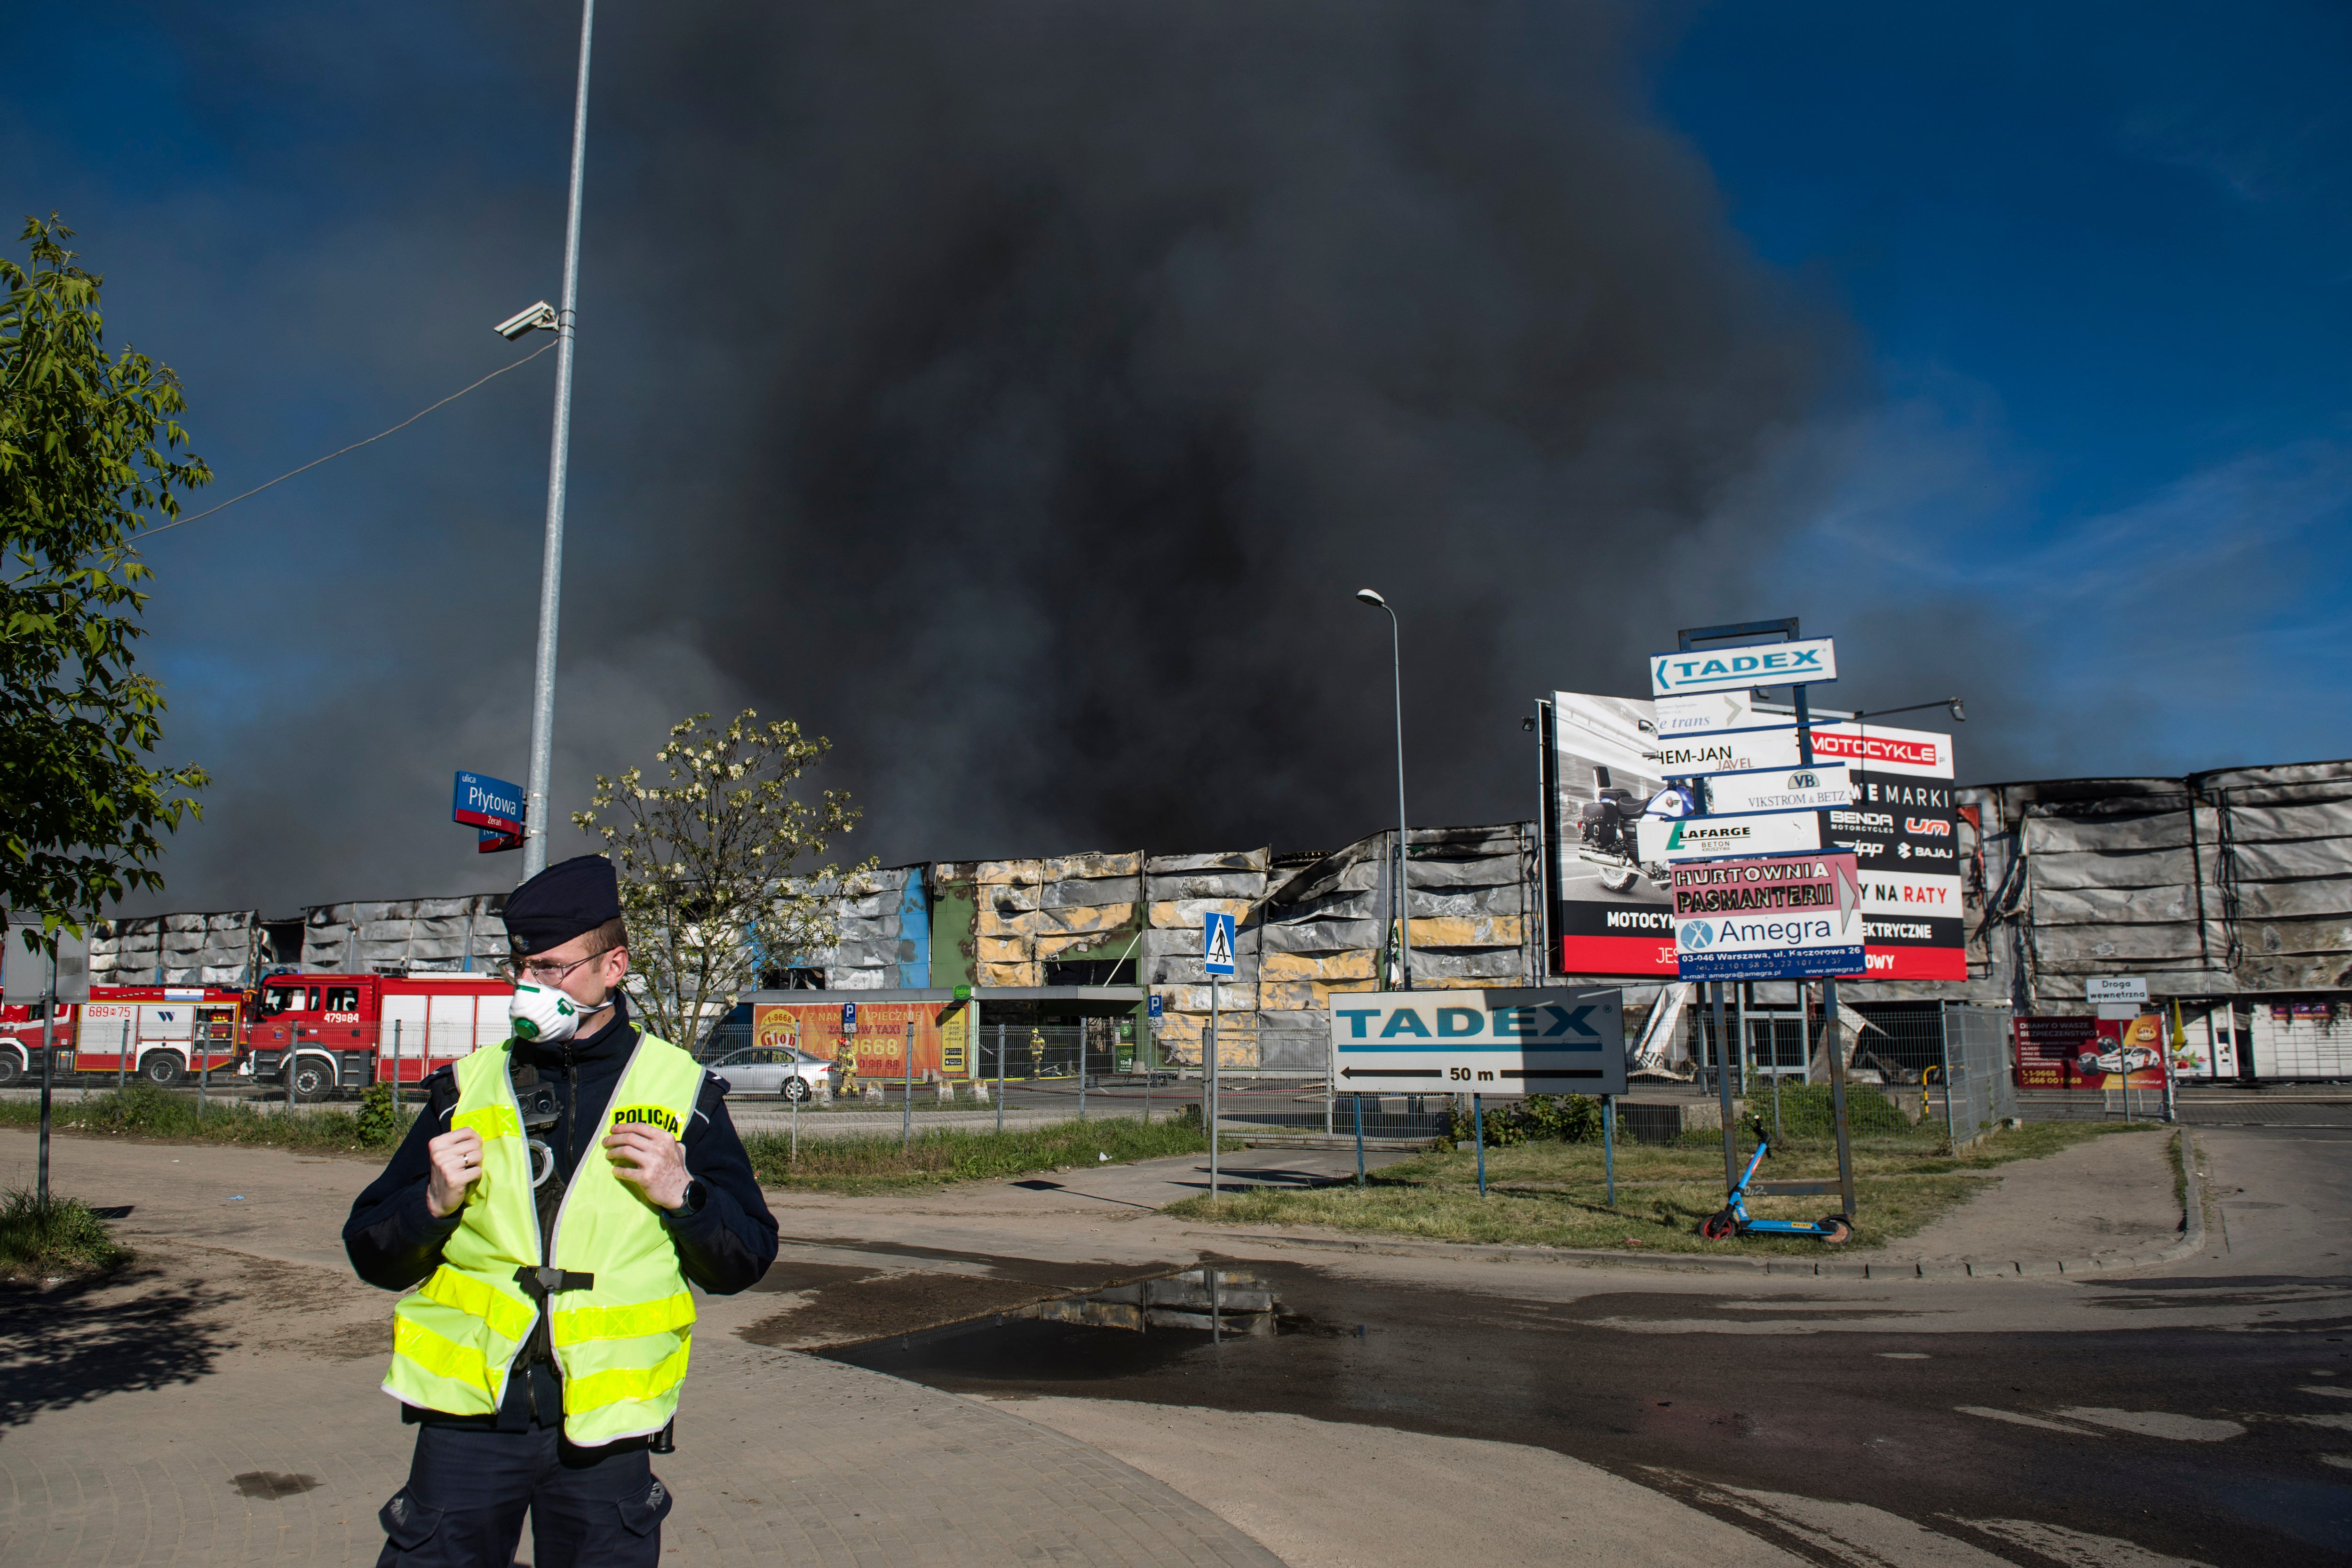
column 539, row 973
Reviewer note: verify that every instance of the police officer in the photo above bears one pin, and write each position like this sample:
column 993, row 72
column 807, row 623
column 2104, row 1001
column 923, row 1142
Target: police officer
column 548, row 1210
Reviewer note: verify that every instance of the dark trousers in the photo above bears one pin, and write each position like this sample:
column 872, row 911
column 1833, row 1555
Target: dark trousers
column 467, row 1491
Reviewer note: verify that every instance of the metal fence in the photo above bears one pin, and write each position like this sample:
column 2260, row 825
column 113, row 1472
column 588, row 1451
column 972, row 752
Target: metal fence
column 1098, row 1047
column 1975, row 1091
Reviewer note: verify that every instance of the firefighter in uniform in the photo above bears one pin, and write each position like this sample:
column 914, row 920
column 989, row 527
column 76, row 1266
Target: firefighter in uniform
column 548, row 1212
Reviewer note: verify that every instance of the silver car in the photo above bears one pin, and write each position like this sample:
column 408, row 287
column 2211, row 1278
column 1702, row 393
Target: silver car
column 784, row 1070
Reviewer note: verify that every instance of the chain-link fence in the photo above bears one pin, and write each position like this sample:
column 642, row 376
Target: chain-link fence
column 1973, row 1090
column 1100, row 1047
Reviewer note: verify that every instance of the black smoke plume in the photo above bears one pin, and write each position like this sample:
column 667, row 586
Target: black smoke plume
column 1065, row 367
column 1018, row 393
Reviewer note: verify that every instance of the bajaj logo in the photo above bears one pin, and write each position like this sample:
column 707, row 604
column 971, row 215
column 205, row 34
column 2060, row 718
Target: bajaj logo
column 1699, row 933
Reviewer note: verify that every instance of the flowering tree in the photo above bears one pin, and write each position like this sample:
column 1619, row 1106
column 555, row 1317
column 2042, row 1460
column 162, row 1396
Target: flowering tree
column 708, row 866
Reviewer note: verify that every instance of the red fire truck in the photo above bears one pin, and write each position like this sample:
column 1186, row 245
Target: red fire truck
column 163, row 1033
column 324, row 1032
column 20, row 1042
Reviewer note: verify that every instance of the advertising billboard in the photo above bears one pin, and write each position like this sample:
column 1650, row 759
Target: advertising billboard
column 1605, row 766
column 1795, row 917
column 1479, row 1042
column 2078, row 1052
column 875, row 1045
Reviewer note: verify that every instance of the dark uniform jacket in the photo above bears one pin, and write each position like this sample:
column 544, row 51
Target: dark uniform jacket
column 723, row 1246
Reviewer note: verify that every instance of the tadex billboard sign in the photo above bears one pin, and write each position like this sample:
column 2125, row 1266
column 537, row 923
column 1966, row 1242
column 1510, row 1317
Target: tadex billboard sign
column 1739, row 669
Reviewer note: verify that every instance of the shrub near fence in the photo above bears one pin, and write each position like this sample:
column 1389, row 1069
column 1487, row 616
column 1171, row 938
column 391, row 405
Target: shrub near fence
column 1539, row 1117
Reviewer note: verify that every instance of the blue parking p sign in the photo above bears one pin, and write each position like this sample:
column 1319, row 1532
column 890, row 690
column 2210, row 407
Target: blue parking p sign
column 1154, row 1008
column 1217, row 943
column 849, row 1018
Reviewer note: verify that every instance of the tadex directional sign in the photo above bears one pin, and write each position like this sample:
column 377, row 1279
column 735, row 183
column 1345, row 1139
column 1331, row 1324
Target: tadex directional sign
column 1479, row 1042
column 1739, row 668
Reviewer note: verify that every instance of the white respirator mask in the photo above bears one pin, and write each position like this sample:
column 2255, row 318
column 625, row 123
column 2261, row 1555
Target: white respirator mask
column 542, row 1013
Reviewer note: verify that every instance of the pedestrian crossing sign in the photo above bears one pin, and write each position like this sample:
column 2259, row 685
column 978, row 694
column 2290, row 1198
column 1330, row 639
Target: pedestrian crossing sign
column 1217, row 943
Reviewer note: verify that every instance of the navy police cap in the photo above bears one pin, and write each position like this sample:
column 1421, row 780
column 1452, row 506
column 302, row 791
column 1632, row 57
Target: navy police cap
column 565, row 900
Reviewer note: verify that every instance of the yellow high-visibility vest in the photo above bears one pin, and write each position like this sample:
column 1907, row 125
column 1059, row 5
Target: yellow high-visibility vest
column 622, row 1342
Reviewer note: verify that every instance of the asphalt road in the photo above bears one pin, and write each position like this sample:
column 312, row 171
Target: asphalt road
column 2201, row 1413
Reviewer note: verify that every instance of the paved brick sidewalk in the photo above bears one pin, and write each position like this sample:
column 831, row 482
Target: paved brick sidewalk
column 220, row 1407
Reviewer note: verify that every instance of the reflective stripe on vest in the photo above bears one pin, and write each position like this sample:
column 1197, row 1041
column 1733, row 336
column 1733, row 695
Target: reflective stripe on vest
column 623, row 1343
column 453, row 1343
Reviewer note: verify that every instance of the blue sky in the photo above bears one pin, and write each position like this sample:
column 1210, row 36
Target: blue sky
column 2100, row 257
column 2084, row 454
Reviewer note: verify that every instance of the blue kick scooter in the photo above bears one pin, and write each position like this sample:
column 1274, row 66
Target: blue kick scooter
column 1732, row 1219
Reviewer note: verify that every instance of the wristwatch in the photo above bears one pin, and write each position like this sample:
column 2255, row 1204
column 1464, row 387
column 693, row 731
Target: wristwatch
column 695, row 1194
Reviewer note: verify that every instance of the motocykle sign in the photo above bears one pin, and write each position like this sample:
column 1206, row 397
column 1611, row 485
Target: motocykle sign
column 1794, row 918
column 1569, row 1040
column 1739, row 668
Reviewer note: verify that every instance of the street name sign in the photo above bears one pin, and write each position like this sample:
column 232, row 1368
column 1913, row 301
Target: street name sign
column 1797, row 918
column 1816, row 788
column 2114, row 988
column 1739, row 669
column 1563, row 1041
column 1217, row 943
column 481, row 801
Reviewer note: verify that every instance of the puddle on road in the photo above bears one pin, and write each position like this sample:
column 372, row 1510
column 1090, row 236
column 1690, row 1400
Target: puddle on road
column 909, row 1290
column 1119, row 1331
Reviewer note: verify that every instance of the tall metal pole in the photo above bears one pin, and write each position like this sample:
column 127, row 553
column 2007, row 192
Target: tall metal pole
column 1000, row 1075
column 1832, row 1034
column 1209, row 1081
column 48, row 1068
column 906, row 1089
column 1723, row 1060
column 551, row 571
column 1403, row 904
column 1405, row 834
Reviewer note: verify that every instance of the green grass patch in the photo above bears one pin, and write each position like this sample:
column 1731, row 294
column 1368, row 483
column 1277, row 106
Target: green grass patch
column 1553, row 1194
column 64, row 1239
column 875, row 1162
column 142, row 1111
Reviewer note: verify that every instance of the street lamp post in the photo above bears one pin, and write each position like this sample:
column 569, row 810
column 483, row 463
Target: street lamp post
column 551, row 571
column 1404, row 857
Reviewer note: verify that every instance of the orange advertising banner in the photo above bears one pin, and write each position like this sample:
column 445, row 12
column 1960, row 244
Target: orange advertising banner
column 878, row 1047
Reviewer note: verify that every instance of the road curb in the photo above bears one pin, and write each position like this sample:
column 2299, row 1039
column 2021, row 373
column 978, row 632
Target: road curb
column 2192, row 1240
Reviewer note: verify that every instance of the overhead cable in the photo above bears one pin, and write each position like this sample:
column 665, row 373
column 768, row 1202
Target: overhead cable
column 354, row 445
